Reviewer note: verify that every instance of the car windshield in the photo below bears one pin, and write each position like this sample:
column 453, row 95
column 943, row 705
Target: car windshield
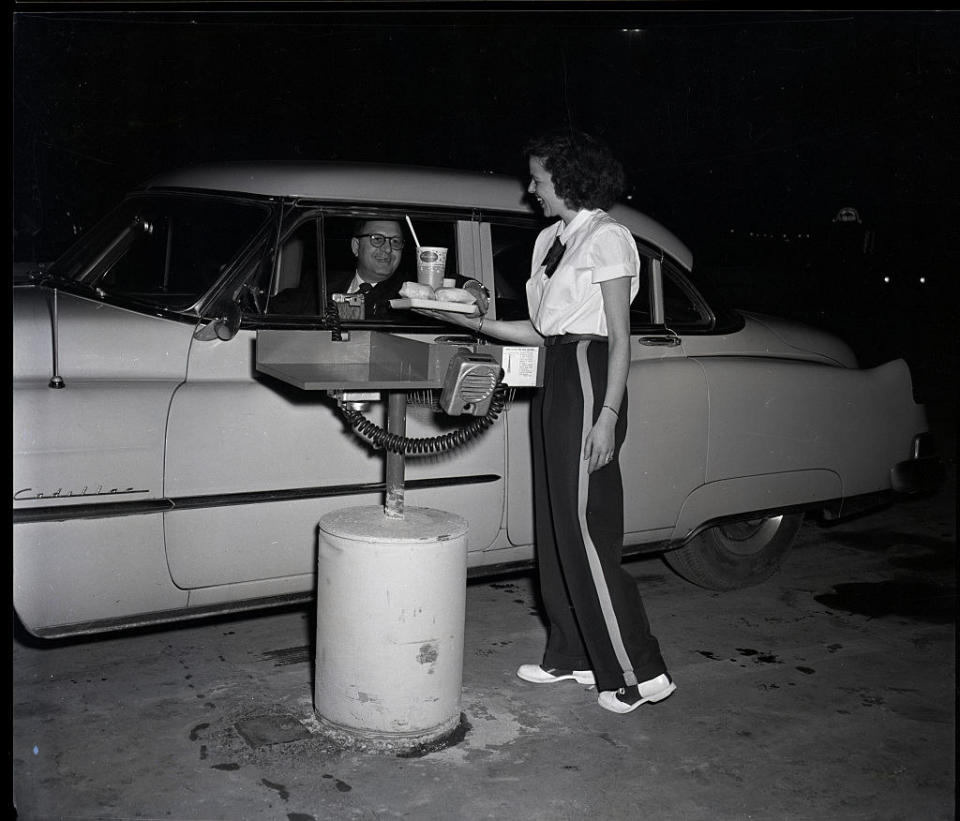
column 163, row 249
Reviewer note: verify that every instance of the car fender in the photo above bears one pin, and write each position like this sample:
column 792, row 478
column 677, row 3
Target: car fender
column 99, row 439
column 90, row 454
column 96, row 572
column 746, row 495
column 782, row 415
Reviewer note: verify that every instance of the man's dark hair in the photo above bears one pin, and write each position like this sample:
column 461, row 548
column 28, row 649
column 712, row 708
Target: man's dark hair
column 584, row 171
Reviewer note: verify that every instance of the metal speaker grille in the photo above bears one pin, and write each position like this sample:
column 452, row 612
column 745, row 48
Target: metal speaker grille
column 478, row 385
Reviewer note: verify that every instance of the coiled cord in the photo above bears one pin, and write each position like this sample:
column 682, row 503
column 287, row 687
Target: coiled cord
column 427, row 445
column 412, row 446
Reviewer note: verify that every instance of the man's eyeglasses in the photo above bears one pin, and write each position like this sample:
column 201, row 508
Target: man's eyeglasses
column 376, row 240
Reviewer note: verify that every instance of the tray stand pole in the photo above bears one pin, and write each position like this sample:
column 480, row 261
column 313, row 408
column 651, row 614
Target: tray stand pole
column 397, row 426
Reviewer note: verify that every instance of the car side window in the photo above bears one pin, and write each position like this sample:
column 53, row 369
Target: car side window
column 316, row 264
column 167, row 250
column 682, row 306
column 512, row 248
column 295, row 287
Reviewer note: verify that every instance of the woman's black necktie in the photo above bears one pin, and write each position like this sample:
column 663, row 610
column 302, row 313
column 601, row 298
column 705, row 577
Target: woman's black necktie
column 552, row 259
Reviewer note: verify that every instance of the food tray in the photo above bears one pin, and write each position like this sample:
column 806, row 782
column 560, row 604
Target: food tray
column 435, row 305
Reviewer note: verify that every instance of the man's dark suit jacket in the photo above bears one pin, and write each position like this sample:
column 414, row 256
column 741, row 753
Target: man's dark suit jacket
column 377, row 299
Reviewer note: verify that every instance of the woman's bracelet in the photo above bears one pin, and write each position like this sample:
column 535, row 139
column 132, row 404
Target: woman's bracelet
column 480, row 325
column 614, row 412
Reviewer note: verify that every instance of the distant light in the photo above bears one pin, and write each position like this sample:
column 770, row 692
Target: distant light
column 923, row 280
column 847, row 214
column 886, row 279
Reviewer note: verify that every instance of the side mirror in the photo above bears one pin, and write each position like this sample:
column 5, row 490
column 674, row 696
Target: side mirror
column 224, row 326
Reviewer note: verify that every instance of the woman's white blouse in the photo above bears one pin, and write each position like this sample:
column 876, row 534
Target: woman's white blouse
column 597, row 249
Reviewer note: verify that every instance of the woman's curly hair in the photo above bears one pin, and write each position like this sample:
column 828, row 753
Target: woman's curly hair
column 585, row 173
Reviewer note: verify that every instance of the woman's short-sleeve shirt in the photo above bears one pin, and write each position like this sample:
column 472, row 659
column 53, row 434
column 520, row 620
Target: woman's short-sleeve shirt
column 597, row 249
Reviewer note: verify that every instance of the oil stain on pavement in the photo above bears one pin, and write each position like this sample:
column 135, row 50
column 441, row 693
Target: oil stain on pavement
column 917, row 600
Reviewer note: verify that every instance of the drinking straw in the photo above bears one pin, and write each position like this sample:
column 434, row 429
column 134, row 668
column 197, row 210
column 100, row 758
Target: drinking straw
column 416, row 241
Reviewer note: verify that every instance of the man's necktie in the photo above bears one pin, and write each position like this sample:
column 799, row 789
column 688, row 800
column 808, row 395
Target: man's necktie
column 364, row 289
column 552, row 259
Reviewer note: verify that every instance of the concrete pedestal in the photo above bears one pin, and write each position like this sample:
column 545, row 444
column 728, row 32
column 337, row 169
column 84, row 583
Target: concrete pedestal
column 391, row 595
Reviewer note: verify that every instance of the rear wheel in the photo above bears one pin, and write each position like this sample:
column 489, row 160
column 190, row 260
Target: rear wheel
column 736, row 554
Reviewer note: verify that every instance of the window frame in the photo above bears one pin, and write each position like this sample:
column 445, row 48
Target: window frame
column 86, row 279
column 296, row 212
column 670, row 271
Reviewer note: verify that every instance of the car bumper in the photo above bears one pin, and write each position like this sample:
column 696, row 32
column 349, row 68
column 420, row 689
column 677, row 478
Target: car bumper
column 923, row 473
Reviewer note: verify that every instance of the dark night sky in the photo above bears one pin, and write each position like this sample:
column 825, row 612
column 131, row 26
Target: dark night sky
column 766, row 121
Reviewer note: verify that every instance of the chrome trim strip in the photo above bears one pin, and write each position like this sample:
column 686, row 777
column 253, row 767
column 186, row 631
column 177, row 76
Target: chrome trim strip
column 166, row 617
column 63, row 513
column 56, row 513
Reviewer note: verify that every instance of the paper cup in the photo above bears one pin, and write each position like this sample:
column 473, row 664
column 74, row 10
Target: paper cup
column 431, row 262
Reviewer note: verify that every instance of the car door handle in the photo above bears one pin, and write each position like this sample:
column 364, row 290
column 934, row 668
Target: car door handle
column 663, row 340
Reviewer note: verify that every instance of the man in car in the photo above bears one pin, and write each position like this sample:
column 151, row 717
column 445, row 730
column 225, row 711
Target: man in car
column 378, row 248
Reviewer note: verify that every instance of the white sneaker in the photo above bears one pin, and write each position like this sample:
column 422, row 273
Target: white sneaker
column 627, row 699
column 535, row 674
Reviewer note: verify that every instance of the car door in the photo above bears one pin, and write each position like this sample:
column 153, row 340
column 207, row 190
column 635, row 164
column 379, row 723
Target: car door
column 665, row 452
column 256, row 463
column 664, row 455
column 88, row 459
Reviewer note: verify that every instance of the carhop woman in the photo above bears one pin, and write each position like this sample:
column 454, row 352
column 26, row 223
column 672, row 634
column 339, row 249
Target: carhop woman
column 584, row 275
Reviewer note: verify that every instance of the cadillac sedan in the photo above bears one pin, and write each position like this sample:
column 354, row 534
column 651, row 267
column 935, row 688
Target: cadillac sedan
column 159, row 475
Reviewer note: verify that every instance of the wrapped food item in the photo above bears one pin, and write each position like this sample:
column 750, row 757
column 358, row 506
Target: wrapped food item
column 455, row 295
column 414, row 290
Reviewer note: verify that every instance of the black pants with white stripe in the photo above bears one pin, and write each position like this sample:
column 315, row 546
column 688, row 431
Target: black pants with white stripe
column 597, row 619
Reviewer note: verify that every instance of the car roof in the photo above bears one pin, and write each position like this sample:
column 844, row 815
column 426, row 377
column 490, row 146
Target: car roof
column 385, row 184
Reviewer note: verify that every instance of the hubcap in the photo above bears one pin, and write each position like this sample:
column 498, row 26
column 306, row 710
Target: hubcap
column 750, row 536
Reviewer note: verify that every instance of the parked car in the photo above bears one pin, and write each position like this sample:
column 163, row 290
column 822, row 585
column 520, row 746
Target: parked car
column 159, row 476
